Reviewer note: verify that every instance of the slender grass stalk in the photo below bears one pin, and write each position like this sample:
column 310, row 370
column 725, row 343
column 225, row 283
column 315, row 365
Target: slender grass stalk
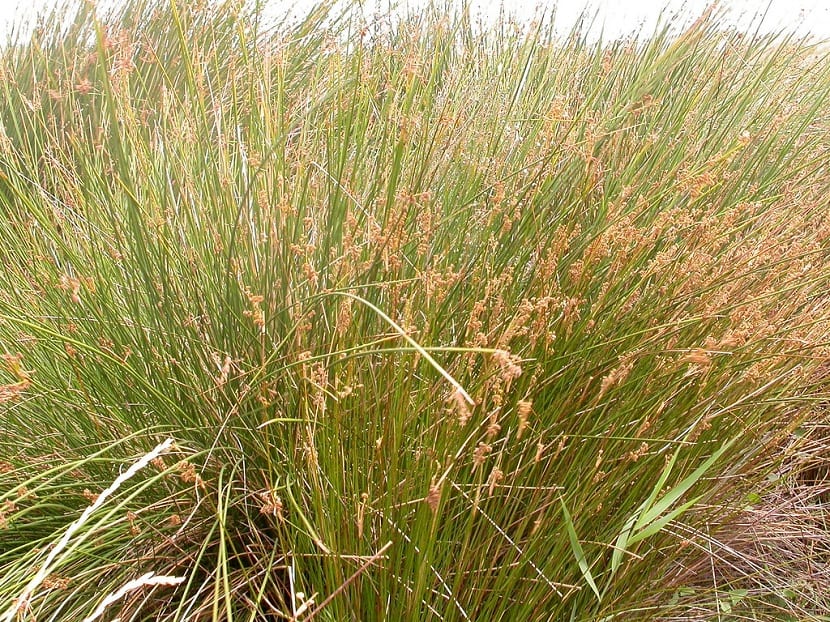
column 247, row 234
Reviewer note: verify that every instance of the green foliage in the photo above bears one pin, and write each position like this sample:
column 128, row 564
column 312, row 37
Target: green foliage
column 538, row 312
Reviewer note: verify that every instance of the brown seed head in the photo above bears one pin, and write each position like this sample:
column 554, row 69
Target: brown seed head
column 496, row 476
column 480, row 454
column 433, row 497
column 523, row 408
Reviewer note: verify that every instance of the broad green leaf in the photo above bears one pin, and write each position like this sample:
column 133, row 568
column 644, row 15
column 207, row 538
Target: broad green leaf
column 579, row 554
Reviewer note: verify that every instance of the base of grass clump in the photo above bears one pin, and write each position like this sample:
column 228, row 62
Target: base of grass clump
column 770, row 556
column 424, row 320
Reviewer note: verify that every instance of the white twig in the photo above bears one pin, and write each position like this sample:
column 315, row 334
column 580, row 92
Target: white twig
column 146, row 579
column 45, row 568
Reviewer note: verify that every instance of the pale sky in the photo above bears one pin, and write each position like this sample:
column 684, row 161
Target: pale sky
column 616, row 17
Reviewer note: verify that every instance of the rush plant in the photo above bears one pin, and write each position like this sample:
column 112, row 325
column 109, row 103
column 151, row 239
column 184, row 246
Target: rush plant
column 409, row 318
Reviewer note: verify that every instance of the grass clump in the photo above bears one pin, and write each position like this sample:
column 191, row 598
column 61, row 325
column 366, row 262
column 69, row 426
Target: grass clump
column 424, row 319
